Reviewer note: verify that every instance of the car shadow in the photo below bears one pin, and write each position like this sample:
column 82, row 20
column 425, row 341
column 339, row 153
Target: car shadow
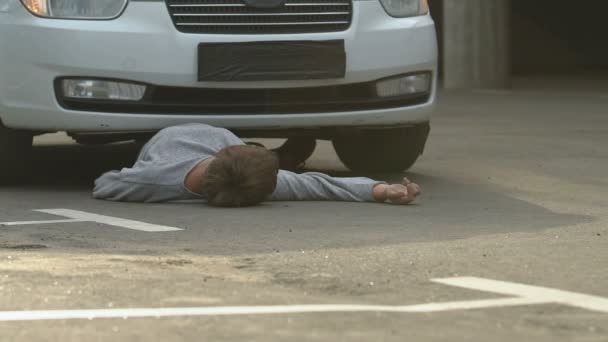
column 62, row 177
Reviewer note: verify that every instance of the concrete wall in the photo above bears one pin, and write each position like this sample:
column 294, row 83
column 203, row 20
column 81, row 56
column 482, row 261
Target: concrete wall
column 537, row 37
column 476, row 43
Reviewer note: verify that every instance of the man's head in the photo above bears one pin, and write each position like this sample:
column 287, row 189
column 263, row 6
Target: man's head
column 240, row 176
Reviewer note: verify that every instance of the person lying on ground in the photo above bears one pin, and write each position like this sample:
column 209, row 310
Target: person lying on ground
column 197, row 161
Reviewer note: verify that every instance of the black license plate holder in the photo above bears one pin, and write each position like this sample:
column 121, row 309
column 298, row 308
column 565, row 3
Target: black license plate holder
column 271, row 61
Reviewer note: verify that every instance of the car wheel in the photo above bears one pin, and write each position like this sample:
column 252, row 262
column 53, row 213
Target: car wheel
column 295, row 151
column 382, row 150
column 15, row 153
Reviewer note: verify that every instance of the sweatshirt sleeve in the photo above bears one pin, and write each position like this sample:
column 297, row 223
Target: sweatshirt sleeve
column 110, row 186
column 315, row 186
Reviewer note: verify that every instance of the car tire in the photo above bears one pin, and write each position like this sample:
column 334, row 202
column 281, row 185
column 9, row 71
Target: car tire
column 382, row 150
column 15, row 153
column 295, row 151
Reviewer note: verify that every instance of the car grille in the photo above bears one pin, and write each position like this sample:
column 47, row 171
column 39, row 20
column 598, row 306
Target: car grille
column 234, row 17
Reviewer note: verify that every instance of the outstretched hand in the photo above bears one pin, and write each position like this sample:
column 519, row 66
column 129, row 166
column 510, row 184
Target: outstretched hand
column 401, row 194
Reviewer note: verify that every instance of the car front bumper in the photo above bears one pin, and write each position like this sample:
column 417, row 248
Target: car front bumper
column 144, row 46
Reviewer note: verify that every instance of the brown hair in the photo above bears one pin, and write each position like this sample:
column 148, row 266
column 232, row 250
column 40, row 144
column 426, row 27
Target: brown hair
column 240, row 176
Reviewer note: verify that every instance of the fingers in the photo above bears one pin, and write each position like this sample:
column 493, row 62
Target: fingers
column 396, row 191
column 399, row 194
column 414, row 189
column 402, row 194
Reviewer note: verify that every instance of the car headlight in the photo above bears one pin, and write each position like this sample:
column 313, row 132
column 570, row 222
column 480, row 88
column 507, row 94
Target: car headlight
column 405, row 8
column 76, row 9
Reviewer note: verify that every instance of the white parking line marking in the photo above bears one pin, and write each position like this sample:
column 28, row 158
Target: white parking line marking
column 549, row 295
column 82, row 216
column 252, row 310
column 25, row 223
column 526, row 295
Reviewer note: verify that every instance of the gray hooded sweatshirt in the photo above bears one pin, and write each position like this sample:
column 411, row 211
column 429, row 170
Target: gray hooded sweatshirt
column 164, row 162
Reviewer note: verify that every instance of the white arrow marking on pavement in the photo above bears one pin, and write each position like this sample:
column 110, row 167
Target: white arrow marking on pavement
column 549, row 295
column 82, row 216
column 527, row 295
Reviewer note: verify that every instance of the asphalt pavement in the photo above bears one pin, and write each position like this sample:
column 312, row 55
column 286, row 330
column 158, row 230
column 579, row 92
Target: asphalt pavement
column 515, row 190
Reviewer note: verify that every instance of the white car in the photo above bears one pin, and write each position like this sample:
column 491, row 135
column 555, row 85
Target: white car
column 361, row 73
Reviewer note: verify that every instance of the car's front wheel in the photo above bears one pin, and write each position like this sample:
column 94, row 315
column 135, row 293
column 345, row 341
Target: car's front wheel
column 382, row 150
column 15, row 150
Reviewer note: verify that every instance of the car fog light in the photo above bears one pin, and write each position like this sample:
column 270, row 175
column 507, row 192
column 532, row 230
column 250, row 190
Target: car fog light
column 404, row 85
column 102, row 90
